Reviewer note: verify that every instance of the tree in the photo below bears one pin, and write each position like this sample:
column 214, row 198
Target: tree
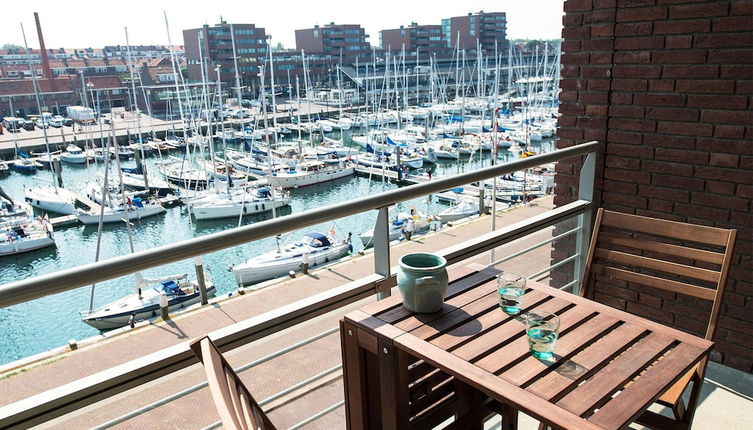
column 280, row 46
column 11, row 46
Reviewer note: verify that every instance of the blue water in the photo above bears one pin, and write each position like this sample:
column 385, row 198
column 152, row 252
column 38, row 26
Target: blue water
column 49, row 322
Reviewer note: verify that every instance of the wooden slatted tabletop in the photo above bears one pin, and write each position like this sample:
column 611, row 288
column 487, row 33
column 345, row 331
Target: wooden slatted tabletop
column 608, row 366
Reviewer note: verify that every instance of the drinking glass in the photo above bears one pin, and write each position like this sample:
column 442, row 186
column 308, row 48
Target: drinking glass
column 511, row 288
column 542, row 329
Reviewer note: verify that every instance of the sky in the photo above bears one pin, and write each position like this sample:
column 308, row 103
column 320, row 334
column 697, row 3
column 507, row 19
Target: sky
column 96, row 23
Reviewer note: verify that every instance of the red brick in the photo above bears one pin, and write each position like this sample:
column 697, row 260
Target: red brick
column 705, row 71
column 670, row 141
column 649, row 72
column 706, row 86
column 672, row 113
column 730, row 56
column 660, row 99
column 717, row 187
column 726, row 145
column 595, row 134
column 568, row 96
column 573, row 59
column 727, row 116
column 609, row 300
column 640, row 57
column 740, row 71
column 701, row 211
column 571, row 108
column 593, row 97
column 628, row 175
column 575, row 32
column 589, row 72
column 649, row 312
column 600, row 44
column 621, row 98
column 691, row 184
column 682, row 27
column 629, row 84
column 639, row 42
column 742, row 8
column 679, row 42
column 598, row 85
column 617, row 136
column 745, row 87
column 601, row 57
column 718, row 102
column 643, row 125
column 604, row 4
column 742, row 219
column 660, row 215
column 685, row 128
column 620, row 187
column 723, row 174
column 683, row 156
column 635, row 3
column 661, row 85
column 598, row 16
column 672, row 194
column 698, row 10
column 595, row 110
column 572, row 19
column 570, row 46
column 568, row 83
column 724, row 160
column 720, row 202
column 570, row 133
column 636, row 150
column 641, row 14
column 746, row 162
column 677, row 169
column 634, row 29
column 736, row 23
column 745, row 191
column 622, row 162
column 626, row 111
column 577, row 5
column 724, row 40
column 660, row 205
column 679, row 57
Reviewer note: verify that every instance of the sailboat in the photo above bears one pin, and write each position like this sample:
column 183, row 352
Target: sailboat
column 236, row 203
column 317, row 248
column 400, row 224
column 21, row 232
column 145, row 302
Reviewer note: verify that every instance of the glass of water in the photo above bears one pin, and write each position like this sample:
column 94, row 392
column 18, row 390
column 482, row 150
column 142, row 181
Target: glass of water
column 511, row 288
column 542, row 329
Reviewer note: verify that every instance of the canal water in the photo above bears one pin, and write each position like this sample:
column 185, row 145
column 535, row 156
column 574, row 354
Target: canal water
column 49, row 322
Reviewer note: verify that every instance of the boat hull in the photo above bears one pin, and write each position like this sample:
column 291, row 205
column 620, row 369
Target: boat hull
column 246, row 274
column 92, row 217
column 235, row 210
column 285, row 180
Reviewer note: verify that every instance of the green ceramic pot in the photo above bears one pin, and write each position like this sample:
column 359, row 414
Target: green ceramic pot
column 422, row 281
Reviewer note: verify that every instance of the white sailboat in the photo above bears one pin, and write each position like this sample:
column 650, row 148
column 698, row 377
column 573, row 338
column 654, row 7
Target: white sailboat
column 21, row 232
column 309, row 173
column 401, row 224
column 237, row 203
column 317, row 248
column 462, row 209
column 50, row 198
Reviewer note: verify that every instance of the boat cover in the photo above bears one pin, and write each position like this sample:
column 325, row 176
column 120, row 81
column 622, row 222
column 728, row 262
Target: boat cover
column 169, row 287
column 320, row 237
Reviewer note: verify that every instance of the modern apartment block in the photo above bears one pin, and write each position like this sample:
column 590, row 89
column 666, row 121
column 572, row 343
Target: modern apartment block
column 426, row 38
column 485, row 28
column 334, row 39
column 216, row 45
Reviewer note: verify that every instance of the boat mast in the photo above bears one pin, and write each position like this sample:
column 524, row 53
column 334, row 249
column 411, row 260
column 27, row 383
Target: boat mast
column 266, row 136
column 142, row 164
column 222, row 126
column 35, row 84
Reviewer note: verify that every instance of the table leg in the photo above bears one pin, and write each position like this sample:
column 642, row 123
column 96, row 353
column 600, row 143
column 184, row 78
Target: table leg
column 470, row 406
column 393, row 381
column 353, row 378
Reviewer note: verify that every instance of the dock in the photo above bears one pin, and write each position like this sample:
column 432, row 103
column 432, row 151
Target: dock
column 373, row 172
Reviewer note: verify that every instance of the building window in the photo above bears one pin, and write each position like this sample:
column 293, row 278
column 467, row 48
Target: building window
column 433, row 38
column 316, row 33
column 402, row 33
column 472, row 31
column 353, row 31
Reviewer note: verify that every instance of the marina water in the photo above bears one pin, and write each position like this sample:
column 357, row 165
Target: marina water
column 49, row 322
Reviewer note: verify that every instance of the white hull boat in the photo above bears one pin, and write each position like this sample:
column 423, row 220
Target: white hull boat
column 463, row 209
column 137, row 210
column 145, row 304
column 309, row 173
column 20, row 232
column 318, row 248
column 400, row 225
column 221, row 206
column 50, row 198
column 73, row 155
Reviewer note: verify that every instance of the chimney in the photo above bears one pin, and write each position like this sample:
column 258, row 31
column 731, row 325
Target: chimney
column 43, row 51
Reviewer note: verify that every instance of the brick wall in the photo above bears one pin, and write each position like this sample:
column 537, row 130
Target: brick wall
column 667, row 85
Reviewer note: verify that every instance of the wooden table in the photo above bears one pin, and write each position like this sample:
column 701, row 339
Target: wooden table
column 405, row 370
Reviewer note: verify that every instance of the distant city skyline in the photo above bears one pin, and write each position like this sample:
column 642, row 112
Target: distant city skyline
column 96, row 24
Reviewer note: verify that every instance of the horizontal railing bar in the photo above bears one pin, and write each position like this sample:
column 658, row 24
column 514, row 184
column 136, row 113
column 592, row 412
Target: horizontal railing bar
column 569, row 284
column 301, row 384
column 63, row 280
column 553, row 266
column 197, row 387
column 317, row 416
column 531, row 248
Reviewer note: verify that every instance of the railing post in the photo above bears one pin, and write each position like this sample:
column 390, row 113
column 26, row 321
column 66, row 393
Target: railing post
column 583, row 236
column 201, row 280
column 381, row 240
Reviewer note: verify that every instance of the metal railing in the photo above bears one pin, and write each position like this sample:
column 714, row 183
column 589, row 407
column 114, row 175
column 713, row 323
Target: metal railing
column 78, row 394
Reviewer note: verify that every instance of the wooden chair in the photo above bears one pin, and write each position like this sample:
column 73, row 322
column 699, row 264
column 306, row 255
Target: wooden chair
column 237, row 408
column 682, row 258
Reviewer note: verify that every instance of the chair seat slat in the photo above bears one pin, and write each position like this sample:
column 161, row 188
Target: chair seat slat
column 608, row 240
column 666, row 228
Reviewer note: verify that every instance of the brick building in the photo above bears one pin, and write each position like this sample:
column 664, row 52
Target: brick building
column 486, row 28
column 667, row 85
column 426, row 38
column 334, row 39
column 217, row 48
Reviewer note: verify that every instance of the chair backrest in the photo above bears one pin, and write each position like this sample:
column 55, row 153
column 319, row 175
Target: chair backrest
column 237, row 408
column 682, row 258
